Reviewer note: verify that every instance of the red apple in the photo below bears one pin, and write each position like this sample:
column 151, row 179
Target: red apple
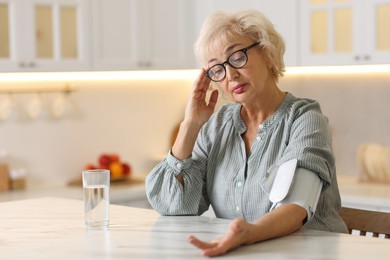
column 126, row 169
column 104, row 161
column 114, row 157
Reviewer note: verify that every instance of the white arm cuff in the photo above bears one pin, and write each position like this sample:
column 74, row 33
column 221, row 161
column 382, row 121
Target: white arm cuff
column 304, row 191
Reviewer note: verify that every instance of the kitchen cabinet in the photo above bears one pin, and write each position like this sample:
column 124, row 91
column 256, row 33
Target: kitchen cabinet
column 284, row 19
column 43, row 35
column 345, row 32
column 142, row 34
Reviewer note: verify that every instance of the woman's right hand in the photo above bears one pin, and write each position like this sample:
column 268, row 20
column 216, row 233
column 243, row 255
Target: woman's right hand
column 199, row 110
column 197, row 113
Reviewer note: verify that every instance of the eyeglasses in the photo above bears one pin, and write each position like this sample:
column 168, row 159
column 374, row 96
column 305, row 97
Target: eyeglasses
column 237, row 60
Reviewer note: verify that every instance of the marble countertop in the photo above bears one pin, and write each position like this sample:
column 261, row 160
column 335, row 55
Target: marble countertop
column 365, row 195
column 53, row 228
column 118, row 192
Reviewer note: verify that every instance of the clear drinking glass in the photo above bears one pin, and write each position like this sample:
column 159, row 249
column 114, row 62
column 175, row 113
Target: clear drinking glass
column 96, row 186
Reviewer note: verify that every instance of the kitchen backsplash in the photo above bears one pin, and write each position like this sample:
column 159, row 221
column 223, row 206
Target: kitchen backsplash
column 131, row 118
column 135, row 119
column 357, row 106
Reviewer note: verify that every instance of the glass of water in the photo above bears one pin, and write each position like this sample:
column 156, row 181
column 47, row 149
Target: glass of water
column 96, row 186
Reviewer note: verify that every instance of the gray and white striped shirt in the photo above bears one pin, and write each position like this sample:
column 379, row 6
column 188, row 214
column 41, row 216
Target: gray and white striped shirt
column 221, row 174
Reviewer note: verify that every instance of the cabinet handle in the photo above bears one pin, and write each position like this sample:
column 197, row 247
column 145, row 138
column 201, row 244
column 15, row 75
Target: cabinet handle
column 366, row 57
column 144, row 64
column 30, row 64
column 357, row 57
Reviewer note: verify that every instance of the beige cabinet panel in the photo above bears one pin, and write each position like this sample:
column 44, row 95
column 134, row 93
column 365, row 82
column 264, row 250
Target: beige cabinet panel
column 4, row 31
column 338, row 32
column 319, row 32
column 69, row 37
column 339, row 39
column 383, row 27
column 44, row 32
column 343, row 29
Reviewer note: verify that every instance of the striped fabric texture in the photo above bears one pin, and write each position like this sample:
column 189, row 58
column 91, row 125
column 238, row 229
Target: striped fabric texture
column 221, row 174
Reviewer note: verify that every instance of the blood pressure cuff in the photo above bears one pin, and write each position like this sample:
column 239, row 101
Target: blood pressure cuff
column 293, row 185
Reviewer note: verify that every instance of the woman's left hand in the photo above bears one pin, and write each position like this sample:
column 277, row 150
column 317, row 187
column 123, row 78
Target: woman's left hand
column 235, row 237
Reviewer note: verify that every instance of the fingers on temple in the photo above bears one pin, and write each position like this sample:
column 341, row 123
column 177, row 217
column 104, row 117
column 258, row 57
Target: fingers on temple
column 202, row 82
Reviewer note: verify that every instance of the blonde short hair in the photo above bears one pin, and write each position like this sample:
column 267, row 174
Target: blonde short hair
column 220, row 27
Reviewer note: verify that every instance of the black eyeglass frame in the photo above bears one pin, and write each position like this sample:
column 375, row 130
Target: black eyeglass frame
column 244, row 50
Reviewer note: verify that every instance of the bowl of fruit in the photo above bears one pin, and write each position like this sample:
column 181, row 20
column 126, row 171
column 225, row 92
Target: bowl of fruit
column 119, row 170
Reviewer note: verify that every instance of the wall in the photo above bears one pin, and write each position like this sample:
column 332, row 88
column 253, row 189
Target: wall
column 358, row 108
column 131, row 118
column 135, row 118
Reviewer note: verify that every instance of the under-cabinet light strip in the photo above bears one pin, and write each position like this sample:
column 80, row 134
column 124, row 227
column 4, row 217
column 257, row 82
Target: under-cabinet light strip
column 171, row 74
column 98, row 76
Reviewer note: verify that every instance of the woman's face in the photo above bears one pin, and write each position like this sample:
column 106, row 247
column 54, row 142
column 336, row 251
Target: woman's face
column 249, row 83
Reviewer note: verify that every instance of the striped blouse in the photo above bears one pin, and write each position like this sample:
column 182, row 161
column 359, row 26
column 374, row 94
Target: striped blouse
column 220, row 173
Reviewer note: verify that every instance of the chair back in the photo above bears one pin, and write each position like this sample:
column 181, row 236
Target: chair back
column 366, row 221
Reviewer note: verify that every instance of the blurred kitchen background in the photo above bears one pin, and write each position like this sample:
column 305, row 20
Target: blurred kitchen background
column 79, row 78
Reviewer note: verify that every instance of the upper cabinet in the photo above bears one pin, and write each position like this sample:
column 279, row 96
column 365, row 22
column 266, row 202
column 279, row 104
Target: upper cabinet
column 284, row 15
column 43, row 35
column 142, row 34
column 345, row 32
column 284, row 19
column 74, row 35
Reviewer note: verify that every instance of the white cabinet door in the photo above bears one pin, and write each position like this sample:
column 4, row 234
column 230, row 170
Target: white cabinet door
column 345, row 32
column 284, row 15
column 171, row 34
column 115, row 30
column 45, row 35
column 10, row 55
column 284, row 19
column 142, row 34
column 377, row 31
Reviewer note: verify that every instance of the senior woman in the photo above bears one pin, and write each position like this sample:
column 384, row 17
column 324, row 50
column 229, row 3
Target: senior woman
column 265, row 160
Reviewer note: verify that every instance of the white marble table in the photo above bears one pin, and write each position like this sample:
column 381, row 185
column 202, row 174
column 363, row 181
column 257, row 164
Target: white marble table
column 53, row 228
